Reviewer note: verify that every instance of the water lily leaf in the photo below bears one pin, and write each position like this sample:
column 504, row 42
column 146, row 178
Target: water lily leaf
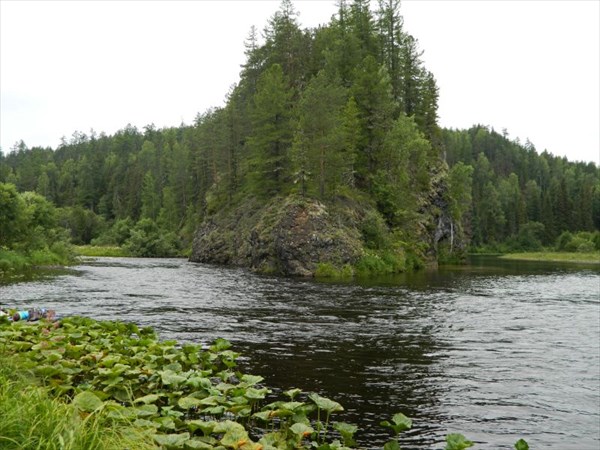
column 301, row 429
column 175, row 367
column 166, row 423
column 46, row 371
column 146, row 410
column 235, row 434
column 189, row 402
column 171, row 440
column 144, row 423
column 121, row 413
column 291, row 406
column 391, row 445
column 146, row 399
column 87, row 401
column 522, row 445
column 256, row 394
column 198, row 382
column 457, row 441
column 211, row 400
column 220, row 344
column 399, row 423
column 169, row 377
column 325, row 404
column 204, row 426
column 228, row 426
column 224, row 387
column 291, row 393
column 194, row 444
column 347, row 431
column 250, row 380
column 263, row 415
column 215, row 410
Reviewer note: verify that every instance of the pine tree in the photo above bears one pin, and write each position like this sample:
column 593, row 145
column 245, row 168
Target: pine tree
column 272, row 131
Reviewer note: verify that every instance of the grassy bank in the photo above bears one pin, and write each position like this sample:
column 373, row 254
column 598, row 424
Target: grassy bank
column 14, row 262
column 568, row 257
column 83, row 384
column 32, row 418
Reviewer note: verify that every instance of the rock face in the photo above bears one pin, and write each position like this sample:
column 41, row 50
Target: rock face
column 289, row 237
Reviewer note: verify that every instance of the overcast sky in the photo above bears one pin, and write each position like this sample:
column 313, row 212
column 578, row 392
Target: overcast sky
column 530, row 67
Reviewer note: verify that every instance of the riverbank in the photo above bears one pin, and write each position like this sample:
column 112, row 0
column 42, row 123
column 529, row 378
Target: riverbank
column 14, row 264
column 80, row 383
column 592, row 258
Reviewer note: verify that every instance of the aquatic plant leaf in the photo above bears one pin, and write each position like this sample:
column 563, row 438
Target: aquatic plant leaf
column 399, row 423
column 220, row 344
column 522, row 445
column 347, row 431
column 195, row 444
column 391, row 445
column 456, row 441
column 256, row 394
column 46, row 371
column 198, row 382
column 87, row 401
column 166, row 423
column 301, row 429
column 291, row 393
column 171, row 440
column 216, row 410
column 235, row 434
column 147, row 399
column 250, row 380
column 263, row 415
column 204, row 426
column 291, row 406
column 144, row 423
column 146, row 410
column 325, row 404
column 169, row 377
column 122, row 413
column 188, row 402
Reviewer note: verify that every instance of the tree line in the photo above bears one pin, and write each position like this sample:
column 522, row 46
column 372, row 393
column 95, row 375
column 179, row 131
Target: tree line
column 347, row 109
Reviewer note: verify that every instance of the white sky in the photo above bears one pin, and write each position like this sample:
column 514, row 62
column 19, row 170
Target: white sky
column 531, row 67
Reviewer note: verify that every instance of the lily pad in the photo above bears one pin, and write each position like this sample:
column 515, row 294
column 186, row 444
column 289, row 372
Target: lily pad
column 87, row 401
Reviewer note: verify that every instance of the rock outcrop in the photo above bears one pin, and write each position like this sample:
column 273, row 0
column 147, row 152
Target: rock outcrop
column 290, row 236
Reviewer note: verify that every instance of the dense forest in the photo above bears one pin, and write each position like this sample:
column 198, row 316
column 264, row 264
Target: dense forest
column 344, row 112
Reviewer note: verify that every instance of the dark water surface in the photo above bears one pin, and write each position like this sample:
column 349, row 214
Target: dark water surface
column 495, row 350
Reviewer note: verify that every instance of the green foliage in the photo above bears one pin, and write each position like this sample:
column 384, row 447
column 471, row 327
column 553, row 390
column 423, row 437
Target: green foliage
column 148, row 240
column 348, row 108
column 33, row 419
column 115, row 385
column 581, row 242
column 457, row 441
column 29, row 232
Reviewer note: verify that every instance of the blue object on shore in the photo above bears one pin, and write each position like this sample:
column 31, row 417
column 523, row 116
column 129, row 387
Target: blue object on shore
column 23, row 315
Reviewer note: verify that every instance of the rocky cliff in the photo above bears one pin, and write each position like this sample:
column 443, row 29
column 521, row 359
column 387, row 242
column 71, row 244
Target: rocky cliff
column 290, row 236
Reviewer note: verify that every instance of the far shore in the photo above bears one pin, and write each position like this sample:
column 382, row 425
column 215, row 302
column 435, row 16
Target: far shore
column 592, row 258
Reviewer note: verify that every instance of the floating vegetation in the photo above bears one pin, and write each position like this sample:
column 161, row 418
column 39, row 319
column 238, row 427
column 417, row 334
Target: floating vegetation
column 180, row 396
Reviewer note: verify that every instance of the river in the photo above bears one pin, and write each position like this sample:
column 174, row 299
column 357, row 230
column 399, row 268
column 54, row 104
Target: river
column 496, row 350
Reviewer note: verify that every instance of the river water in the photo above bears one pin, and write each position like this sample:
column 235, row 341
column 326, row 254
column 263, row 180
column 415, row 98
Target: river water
column 495, row 350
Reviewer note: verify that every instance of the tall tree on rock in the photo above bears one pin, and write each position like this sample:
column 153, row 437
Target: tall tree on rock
column 272, row 132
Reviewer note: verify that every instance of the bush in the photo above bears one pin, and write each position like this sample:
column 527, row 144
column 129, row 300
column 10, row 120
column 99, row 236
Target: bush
column 148, row 240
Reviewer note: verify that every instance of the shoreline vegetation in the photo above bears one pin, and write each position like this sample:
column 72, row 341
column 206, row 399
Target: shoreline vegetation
column 592, row 258
column 81, row 383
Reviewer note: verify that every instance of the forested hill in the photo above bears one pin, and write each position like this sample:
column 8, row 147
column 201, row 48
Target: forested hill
column 330, row 134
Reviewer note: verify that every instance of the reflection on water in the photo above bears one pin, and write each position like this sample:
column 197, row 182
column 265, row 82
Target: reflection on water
column 496, row 350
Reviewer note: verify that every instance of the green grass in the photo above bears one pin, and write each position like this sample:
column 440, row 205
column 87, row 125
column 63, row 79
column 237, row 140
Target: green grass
column 31, row 419
column 94, row 250
column 579, row 258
